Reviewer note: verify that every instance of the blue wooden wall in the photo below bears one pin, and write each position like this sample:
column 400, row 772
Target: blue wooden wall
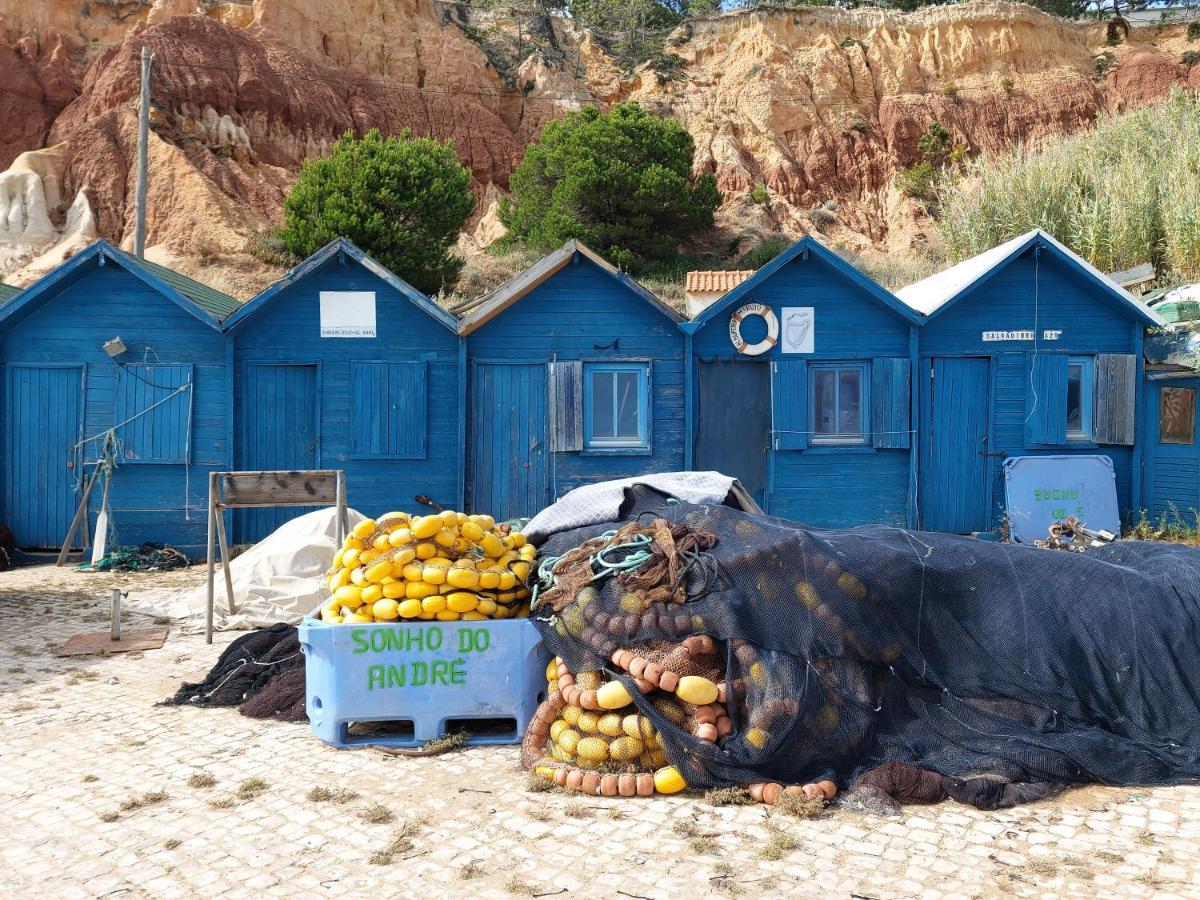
column 1172, row 480
column 1091, row 322
column 828, row 486
column 387, row 462
column 575, row 315
column 150, row 501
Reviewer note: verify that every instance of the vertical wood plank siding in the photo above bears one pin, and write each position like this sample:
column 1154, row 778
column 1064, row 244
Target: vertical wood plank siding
column 1091, row 322
column 147, row 499
column 826, row 486
column 583, row 314
column 399, row 392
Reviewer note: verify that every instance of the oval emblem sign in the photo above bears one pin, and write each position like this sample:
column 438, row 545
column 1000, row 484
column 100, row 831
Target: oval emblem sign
column 735, row 329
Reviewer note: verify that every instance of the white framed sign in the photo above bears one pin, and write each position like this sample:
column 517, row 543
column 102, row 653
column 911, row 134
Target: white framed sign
column 799, row 329
column 1021, row 335
column 347, row 314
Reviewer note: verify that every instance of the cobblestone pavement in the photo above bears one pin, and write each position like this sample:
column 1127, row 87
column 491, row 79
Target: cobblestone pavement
column 106, row 795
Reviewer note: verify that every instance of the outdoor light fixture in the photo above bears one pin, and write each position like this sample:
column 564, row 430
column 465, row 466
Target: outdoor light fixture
column 115, row 347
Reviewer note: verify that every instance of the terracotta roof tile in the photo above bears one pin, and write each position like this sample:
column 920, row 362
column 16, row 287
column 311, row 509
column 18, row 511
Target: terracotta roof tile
column 719, row 281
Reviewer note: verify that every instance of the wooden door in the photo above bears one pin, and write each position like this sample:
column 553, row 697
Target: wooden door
column 277, row 426
column 44, row 411
column 733, row 434
column 509, row 440
column 956, row 472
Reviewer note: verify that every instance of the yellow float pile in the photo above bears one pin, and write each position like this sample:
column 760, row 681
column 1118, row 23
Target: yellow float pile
column 444, row 567
column 608, row 750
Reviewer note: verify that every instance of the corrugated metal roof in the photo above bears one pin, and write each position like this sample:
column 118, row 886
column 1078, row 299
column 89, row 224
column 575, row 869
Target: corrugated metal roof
column 716, row 280
column 930, row 294
column 208, row 299
column 7, row 292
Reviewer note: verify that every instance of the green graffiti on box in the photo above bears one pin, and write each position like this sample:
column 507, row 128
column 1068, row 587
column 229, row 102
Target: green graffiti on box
column 1065, row 494
column 445, row 654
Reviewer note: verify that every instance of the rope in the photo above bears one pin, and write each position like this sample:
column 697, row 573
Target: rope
column 103, row 434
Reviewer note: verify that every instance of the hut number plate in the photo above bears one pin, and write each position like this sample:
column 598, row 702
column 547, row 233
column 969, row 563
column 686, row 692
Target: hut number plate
column 1024, row 335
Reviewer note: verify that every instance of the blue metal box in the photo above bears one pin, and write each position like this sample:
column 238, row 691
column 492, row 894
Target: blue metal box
column 1041, row 490
column 427, row 675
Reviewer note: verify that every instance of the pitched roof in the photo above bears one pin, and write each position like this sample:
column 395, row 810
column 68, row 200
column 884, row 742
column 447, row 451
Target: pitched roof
column 322, row 256
column 710, row 281
column 485, row 308
column 933, row 294
column 207, row 298
column 802, row 248
column 7, row 292
column 196, row 299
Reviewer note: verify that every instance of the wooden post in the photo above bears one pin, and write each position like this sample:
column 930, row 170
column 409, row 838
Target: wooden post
column 212, row 524
column 225, row 560
column 116, row 614
column 80, row 514
column 139, row 235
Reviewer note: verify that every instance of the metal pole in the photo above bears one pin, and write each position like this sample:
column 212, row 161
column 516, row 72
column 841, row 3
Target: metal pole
column 139, row 235
column 116, row 614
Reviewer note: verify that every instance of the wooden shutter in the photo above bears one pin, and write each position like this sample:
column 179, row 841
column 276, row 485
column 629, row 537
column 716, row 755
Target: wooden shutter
column 390, row 409
column 566, row 405
column 891, row 401
column 1046, row 400
column 150, row 396
column 789, row 404
column 1116, row 392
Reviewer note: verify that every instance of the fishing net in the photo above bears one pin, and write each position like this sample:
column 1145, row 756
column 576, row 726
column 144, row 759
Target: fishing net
column 836, row 652
column 253, row 668
column 149, row 557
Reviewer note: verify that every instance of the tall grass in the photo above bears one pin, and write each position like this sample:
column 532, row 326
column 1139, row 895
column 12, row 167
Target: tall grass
column 1123, row 193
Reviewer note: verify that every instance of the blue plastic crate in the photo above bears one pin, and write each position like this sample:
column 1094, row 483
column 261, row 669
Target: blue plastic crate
column 425, row 674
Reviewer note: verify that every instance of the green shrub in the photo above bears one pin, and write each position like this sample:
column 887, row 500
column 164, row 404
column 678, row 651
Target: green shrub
column 764, row 251
column 620, row 181
column 403, row 200
column 1124, row 193
column 919, row 181
column 1193, row 31
column 1190, row 58
column 759, row 194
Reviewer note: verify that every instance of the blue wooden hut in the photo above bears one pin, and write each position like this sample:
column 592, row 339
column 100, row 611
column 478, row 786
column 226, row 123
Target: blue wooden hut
column 115, row 358
column 576, row 376
column 800, row 386
column 341, row 364
column 1171, row 483
column 1026, row 350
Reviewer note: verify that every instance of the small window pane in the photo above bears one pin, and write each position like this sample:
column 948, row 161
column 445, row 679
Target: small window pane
column 1074, row 399
column 627, row 405
column 850, row 402
column 824, row 401
column 1176, row 415
column 603, row 425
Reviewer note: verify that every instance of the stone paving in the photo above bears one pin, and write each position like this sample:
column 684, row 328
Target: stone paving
column 104, row 794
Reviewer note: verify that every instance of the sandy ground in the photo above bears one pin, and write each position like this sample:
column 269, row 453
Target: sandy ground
column 106, row 794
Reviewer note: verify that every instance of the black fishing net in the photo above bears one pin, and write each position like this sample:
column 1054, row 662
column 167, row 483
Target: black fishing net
column 844, row 650
column 252, row 668
column 149, row 557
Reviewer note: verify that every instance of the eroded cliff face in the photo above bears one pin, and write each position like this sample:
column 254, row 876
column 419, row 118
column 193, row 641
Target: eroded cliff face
column 819, row 106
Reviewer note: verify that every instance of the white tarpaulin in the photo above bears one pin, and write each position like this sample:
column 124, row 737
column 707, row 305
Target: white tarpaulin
column 279, row 579
column 595, row 503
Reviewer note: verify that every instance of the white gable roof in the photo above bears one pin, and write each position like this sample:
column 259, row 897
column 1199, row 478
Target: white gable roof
column 931, row 294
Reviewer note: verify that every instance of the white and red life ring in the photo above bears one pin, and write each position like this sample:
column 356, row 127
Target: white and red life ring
column 735, row 329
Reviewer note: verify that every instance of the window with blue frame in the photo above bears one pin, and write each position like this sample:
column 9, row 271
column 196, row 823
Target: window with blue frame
column 1081, row 379
column 838, row 403
column 616, row 400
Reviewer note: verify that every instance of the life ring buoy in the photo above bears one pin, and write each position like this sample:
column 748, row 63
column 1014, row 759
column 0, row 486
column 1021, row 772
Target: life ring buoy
column 735, row 329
